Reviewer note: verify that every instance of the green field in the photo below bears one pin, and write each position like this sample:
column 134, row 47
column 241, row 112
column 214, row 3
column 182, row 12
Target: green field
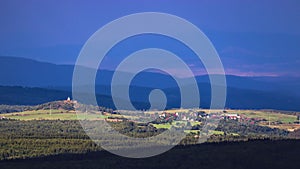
column 272, row 116
column 162, row 126
column 214, row 132
column 53, row 115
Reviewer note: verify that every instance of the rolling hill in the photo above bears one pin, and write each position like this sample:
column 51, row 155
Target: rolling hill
column 43, row 82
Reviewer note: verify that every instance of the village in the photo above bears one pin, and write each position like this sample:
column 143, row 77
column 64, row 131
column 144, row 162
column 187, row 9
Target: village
column 191, row 115
column 196, row 117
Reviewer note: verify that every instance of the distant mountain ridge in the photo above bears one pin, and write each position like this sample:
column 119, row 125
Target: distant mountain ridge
column 15, row 71
column 243, row 92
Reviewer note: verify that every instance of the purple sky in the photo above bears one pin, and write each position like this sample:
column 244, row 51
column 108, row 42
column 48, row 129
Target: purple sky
column 259, row 38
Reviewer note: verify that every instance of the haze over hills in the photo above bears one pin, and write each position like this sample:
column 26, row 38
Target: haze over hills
column 243, row 92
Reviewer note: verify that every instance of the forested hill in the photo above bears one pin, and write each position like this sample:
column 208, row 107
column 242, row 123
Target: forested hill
column 17, row 95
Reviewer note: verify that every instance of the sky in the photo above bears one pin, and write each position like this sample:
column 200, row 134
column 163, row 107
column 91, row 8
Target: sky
column 253, row 38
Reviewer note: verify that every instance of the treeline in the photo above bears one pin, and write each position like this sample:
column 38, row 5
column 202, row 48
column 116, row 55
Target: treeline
column 29, row 147
column 66, row 129
column 232, row 126
column 13, row 108
column 46, row 106
column 64, row 105
column 24, row 139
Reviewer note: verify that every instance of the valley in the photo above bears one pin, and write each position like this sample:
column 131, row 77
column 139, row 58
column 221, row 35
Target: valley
column 53, row 125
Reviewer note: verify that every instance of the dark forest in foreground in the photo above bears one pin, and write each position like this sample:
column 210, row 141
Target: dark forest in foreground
column 283, row 154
